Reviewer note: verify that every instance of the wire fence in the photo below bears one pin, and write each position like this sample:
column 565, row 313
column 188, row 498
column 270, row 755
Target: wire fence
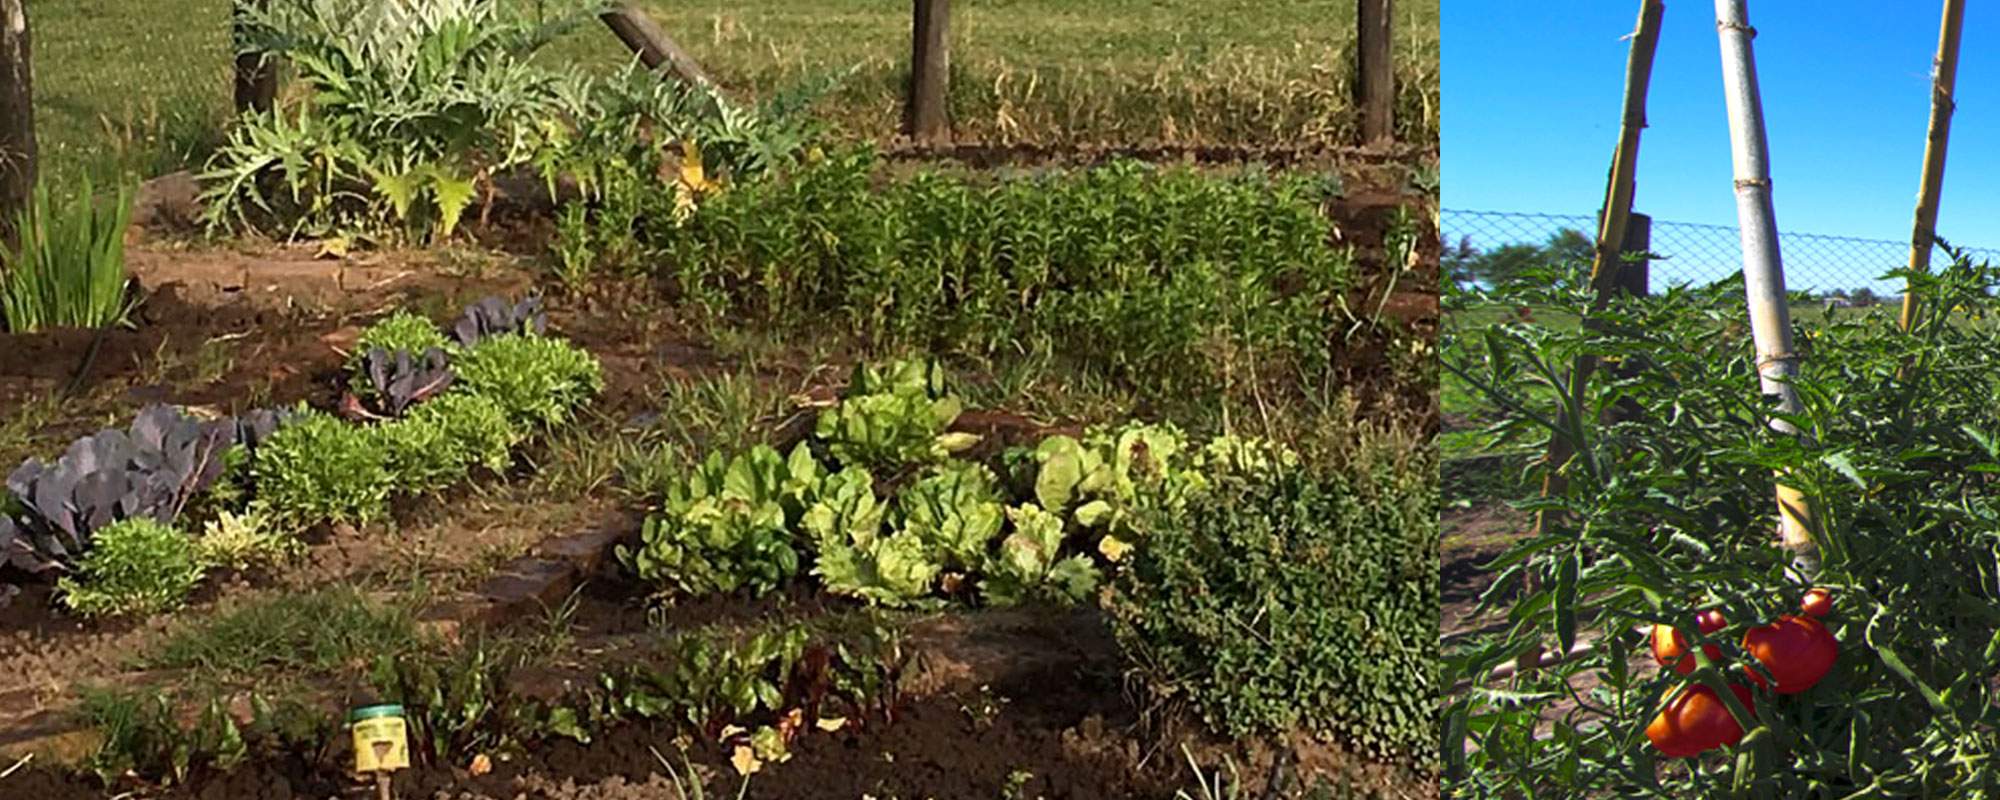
column 1484, row 245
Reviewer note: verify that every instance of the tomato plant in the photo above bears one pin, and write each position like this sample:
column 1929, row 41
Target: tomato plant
column 1671, row 510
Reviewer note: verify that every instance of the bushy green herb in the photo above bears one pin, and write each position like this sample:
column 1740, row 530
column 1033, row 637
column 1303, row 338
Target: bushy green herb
column 440, row 442
column 726, row 526
column 539, row 380
column 135, row 566
column 402, row 330
column 1289, row 600
column 318, row 468
column 68, row 266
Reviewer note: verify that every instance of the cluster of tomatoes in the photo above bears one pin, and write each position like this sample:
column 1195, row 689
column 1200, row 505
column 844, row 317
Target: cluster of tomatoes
column 1797, row 650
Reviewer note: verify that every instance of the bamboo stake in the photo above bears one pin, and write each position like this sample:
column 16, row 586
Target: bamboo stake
column 1944, row 77
column 1763, row 270
column 1609, row 256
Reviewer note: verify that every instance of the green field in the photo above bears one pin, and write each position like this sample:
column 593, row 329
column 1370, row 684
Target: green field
column 116, row 91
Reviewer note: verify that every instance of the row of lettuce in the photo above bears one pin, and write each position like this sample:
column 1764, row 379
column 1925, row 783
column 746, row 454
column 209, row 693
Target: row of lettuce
column 130, row 520
column 1271, row 593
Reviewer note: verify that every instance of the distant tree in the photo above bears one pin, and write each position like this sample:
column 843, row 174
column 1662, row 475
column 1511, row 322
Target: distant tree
column 1864, row 296
column 1568, row 248
column 17, row 113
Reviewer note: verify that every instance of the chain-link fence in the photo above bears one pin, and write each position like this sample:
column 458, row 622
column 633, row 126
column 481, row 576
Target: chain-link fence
column 1488, row 245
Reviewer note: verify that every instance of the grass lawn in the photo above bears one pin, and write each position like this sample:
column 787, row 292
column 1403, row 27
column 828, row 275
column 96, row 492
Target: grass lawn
column 117, row 92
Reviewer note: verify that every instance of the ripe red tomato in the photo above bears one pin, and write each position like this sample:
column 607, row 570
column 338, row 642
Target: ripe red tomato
column 1670, row 648
column 1817, row 602
column 1697, row 721
column 1798, row 652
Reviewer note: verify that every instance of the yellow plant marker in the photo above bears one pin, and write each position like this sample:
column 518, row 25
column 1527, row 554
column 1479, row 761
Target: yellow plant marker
column 381, row 739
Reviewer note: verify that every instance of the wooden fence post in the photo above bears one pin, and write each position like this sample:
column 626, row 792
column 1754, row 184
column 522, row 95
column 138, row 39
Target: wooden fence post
column 17, row 114
column 1376, row 88
column 256, row 73
column 1633, row 274
column 930, row 63
column 654, row 46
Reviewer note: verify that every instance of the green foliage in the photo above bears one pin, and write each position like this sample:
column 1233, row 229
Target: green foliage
column 242, row 541
column 709, row 680
column 1291, row 600
column 706, row 680
column 144, row 733
column 411, row 108
column 456, row 701
column 67, row 268
column 892, row 418
column 320, row 632
column 727, row 525
column 441, row 440
column 1029, row 565
column 1568, row 249
column 134, row 566
column 955, row 510
column 318, row 468
column 1168, row 279
column 538, row 380
column 1671, row 511
column 402, row 330
column 854, row 556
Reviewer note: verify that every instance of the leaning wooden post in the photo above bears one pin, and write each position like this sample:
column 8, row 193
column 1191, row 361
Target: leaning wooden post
column 1608, row 260
column 925, row 118
column 17, row 114
column 1763, row 270
column 256, row 73
column 1944, row 77
column 1376, row 87
column 655, row 48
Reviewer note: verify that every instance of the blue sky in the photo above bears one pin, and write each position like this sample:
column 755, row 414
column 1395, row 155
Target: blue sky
column 1532, row 93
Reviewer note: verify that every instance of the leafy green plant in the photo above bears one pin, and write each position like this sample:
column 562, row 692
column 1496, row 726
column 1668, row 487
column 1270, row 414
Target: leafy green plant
column 727, row 526
column 143, row 732
column 441, row 441
column 1171, row 280
column 539, row 380
column 893, row 417
column 318, row 468
column 242, row 541
column 136, row 566
column 68, row 265
column 1670, row 512
column 402, row 330
column 955, row 510
column 411, row 109
column 1029, row 565
column 854, row 556
column 1294, row 600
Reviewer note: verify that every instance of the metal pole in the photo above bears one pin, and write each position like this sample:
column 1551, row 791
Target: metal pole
column 1763, row 271
column 1944, row 77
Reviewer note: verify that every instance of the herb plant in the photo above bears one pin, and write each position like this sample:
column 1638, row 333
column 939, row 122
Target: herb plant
column 135, row 566
column 1294, row 600
column 319, row 468
column 539, row 380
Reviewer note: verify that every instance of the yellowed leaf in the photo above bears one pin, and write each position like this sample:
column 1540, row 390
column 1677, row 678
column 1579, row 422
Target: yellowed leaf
column 831, row 724
column 745, row 760
column 481, row 765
